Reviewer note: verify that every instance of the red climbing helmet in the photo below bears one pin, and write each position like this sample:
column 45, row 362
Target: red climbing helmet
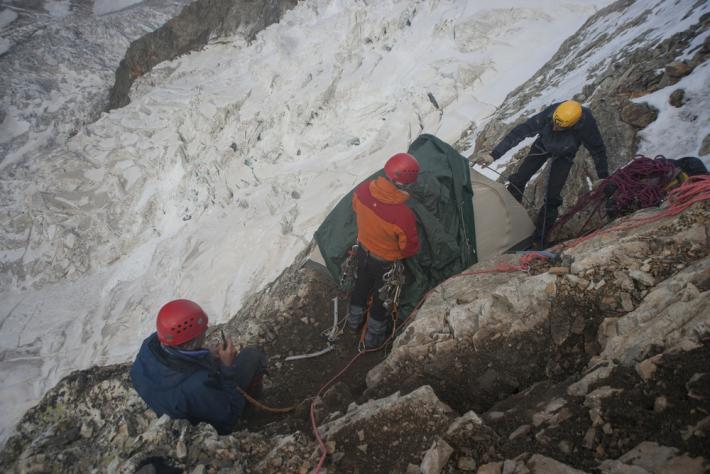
column 180, row 321
column 402, row 168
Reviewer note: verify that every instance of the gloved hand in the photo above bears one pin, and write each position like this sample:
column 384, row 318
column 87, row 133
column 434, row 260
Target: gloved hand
column 483, row 158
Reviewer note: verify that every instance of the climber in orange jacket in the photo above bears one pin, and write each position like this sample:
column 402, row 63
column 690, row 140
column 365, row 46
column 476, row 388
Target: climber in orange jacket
column 386, row 232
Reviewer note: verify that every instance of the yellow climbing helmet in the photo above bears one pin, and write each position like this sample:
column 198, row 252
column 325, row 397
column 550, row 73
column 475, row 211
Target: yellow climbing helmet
column 567, row 114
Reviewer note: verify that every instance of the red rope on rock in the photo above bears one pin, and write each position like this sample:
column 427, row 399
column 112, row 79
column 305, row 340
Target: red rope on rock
column 694, row 190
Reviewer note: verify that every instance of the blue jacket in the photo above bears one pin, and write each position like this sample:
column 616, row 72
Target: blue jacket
column 196, row 388
column 562, row 143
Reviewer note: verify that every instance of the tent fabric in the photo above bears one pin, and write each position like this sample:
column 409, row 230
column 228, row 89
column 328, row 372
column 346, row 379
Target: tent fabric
column 501, row 222
column 442, row 201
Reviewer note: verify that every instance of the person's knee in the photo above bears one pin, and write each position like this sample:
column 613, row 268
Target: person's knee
column 252, row 356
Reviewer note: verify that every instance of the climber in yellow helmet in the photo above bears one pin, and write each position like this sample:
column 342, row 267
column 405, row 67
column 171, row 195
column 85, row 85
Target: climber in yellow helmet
column 561, row 128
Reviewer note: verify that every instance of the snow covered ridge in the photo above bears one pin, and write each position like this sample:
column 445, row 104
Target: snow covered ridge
column 216, row 175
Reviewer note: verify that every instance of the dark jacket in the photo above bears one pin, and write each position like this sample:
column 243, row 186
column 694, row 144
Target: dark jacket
column 559, row 144
column 196, row 389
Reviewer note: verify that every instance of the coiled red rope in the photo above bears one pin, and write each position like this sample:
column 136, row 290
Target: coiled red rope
column 641, row 183
column 694, row 190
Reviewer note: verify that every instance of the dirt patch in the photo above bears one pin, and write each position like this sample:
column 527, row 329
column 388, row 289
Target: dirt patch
column 400, row 440
column 303, row 331
column 660, row 410
column 664, row 409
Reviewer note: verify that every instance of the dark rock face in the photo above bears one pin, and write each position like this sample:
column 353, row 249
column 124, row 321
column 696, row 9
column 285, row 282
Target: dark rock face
column 638, row 115
column 191, row 30
column 676, row 99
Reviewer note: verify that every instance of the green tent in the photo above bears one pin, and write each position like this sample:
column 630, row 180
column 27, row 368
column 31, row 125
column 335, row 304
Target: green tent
column 442, row 200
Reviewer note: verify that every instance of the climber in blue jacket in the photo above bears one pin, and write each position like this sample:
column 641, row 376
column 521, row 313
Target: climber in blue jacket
column 560, row 129
column 176, row 376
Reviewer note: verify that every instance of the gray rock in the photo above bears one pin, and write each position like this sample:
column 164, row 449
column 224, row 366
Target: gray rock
column 677, row 98
column 705, row 147
column 520, row 431
column 491, row 468
column 539, row 464
column 639, row 115
column 436, row 457
column 466, row 464
column 581, row 387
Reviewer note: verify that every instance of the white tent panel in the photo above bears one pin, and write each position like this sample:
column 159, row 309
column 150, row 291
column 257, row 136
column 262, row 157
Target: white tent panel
column 501, row 222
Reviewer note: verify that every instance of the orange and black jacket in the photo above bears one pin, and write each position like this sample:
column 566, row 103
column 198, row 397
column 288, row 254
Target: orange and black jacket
column 386, row 227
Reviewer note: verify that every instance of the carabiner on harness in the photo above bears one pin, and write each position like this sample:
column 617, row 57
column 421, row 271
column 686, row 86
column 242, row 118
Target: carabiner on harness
column 393, row 281
column 348, row 270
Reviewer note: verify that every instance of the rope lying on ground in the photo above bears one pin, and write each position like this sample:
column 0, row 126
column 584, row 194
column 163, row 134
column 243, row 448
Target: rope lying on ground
column 261, row 406
column 641, row 183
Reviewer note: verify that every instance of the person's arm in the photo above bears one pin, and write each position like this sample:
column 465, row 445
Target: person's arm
column 594, row 143
column 217, row 401
column 529, row 128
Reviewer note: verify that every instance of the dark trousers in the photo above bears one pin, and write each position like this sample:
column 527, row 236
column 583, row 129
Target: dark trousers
column 249, row 367
column 369, row 281
column 559, row 171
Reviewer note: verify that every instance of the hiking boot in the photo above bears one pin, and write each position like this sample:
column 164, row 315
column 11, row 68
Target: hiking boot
column 356, row 318
column 376, row 334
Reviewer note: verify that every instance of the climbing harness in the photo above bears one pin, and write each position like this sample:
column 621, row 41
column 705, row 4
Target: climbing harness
column 348, row 270
column 389, row 294
column 393, row 281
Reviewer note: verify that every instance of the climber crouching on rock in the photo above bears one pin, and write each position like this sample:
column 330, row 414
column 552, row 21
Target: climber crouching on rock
column 177, row 376
column 561, row 128
column 386, row 232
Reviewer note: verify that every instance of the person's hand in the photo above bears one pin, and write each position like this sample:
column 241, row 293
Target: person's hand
column 226, row 354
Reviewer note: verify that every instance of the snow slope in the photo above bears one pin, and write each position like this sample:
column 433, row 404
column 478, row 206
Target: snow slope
column 216, row 175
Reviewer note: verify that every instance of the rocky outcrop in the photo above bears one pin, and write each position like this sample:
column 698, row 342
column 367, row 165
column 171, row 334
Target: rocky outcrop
column 513, row 329
column 190, row 30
